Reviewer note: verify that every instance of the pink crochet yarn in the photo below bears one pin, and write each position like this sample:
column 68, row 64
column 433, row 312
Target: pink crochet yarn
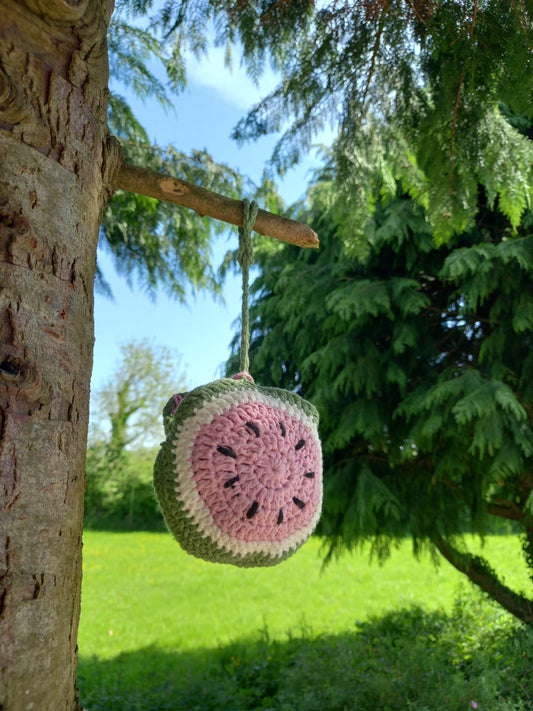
column 258, row 471
column 243, row 374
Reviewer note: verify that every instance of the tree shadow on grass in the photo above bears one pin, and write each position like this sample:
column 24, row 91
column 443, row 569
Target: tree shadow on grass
column 475, row 657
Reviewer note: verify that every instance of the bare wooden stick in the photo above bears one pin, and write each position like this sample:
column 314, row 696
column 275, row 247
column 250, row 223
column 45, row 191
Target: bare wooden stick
column 210, row 204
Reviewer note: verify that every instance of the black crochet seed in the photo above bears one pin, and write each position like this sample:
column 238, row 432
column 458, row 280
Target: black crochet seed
column 227, row 451
column 280, row 517
column 299, row 444
column 299, row 503
column 252, row 510
column 282, row 428
column 253, row 427
column 310, row 475
column 230, row 483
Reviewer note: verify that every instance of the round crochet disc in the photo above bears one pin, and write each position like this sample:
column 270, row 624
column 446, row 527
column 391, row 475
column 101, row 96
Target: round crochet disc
column 239, row 477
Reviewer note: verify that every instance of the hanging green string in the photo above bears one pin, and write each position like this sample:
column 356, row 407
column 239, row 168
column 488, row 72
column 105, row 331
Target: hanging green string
column 245, row 257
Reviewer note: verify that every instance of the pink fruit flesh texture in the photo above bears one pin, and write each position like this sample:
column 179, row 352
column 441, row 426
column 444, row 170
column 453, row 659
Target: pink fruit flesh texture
column 257, row 469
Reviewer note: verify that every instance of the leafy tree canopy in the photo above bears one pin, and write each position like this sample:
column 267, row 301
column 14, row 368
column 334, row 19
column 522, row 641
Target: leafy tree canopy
column 420, row 92
column 154, row 243
column 125, row 428
column 127, row 407
column 419, row 358
column 422, row 88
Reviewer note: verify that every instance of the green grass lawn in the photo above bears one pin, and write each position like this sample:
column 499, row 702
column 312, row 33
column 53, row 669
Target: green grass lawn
column 151, row 613
column 141, row 589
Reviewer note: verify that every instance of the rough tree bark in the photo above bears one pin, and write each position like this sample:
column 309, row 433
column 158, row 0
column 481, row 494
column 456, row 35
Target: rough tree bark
column 54, row 181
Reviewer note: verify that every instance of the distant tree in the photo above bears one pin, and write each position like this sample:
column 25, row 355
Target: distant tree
column 125, row 428
column 122, row 495
column 419, row 358
column 127, row 407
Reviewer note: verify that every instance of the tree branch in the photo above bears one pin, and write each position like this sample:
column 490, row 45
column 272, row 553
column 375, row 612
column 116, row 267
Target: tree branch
column 505, row 509
column 481, row 574
column 210, row 204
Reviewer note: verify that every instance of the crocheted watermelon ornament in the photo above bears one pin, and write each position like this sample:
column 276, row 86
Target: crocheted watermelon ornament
column 239, row 476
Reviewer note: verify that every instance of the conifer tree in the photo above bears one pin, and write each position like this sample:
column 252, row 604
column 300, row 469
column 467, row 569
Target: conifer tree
column 419, row 358
column 418, row 92
column 424, row 85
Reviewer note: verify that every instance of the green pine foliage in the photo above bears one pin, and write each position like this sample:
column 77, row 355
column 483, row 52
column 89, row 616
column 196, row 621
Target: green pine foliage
column 423, row 94
column 418, row 356
column 154, row 244
column 421, row 87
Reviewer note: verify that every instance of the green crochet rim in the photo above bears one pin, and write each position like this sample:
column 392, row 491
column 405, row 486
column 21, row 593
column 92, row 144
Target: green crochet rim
column 179, row 522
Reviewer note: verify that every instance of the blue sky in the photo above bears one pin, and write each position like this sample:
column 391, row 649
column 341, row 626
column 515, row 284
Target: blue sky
column 201, row 331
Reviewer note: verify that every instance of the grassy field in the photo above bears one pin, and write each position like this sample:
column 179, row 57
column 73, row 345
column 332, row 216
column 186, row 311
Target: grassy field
column 163, row 630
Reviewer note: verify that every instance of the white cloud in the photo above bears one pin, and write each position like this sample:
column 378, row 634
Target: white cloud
column 233, row 85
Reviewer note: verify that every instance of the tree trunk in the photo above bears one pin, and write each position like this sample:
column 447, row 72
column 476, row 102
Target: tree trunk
column 54, row 180
column 480, row 573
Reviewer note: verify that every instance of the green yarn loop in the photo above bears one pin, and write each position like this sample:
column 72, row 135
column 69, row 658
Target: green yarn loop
column 245, row 257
